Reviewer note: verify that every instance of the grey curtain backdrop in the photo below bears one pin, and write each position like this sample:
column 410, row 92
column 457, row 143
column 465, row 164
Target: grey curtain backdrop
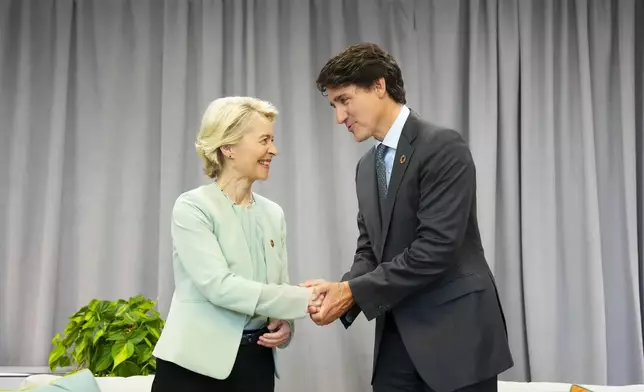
column 100, row 104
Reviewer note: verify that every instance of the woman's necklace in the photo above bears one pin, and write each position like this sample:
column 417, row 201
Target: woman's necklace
column 251, row 201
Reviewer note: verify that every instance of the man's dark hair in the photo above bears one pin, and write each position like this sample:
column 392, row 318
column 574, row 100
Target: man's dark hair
column 362, row 65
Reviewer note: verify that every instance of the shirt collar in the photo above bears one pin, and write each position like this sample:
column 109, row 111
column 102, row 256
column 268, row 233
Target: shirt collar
column 393, row 135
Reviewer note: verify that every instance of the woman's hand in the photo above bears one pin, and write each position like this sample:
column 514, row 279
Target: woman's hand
column 280, row 332
column 316, row 297
column 315, row 302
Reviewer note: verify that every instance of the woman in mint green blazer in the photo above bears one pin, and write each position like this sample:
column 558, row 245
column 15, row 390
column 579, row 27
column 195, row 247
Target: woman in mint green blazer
column 233, row 304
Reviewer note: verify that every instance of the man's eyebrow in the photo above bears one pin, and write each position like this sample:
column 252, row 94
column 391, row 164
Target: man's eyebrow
column 338, row 98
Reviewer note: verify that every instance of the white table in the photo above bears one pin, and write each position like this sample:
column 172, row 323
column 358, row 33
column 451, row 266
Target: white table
column 12, row 376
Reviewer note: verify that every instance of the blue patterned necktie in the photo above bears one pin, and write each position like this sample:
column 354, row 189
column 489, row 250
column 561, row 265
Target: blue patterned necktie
column 381, row 171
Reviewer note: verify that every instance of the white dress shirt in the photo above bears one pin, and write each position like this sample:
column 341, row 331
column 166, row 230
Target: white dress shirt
column 391, row 139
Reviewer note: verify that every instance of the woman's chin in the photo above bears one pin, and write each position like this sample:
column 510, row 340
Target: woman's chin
column 261, row 177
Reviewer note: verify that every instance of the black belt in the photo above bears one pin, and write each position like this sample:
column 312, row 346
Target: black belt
column 252, row 336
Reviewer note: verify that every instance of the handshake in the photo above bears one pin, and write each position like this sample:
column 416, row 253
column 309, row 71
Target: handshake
column 329, row 300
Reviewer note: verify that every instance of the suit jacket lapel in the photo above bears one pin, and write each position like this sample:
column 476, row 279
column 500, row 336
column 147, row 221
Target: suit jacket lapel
column 404, row 153
column 372, row 211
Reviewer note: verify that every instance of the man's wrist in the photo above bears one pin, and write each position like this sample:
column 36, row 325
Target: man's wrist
column 346, row 291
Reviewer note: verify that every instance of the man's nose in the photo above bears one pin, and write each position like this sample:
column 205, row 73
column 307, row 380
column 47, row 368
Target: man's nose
column 340, row 116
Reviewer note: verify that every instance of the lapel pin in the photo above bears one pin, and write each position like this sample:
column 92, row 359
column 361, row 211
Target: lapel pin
column 272, row 244
column 403, row 159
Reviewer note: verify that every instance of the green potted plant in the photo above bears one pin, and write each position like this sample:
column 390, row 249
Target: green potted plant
column 111, row 338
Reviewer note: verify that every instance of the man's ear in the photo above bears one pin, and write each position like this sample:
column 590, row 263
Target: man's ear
column 380, row 87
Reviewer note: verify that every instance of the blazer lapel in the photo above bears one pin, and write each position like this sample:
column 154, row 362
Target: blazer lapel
column 404, row 153
column 270, row 241
column 233, row 238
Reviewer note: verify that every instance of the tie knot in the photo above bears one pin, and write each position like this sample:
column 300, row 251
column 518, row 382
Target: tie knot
column 381, row 150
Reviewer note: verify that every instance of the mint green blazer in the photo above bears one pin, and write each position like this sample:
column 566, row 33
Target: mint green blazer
column 214, row 288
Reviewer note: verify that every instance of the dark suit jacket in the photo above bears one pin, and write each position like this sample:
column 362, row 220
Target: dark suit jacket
column 421, row 259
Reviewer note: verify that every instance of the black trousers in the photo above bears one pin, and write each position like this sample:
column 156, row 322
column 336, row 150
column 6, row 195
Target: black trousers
column 395, row 372
column 253, row 371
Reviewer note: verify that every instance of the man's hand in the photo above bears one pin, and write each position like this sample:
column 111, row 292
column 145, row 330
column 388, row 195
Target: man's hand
column 337, row 300
column 280, row 332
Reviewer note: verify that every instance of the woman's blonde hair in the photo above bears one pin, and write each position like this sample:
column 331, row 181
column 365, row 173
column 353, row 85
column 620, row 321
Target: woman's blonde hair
column 224, row 123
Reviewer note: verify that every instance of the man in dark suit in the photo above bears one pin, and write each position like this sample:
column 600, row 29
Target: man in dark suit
column 419, row 268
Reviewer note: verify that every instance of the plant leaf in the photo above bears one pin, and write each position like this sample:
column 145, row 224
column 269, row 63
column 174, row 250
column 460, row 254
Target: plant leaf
column 80, row 312
column 138, row 336
column 103, row 360
column 98, row 335
column 129, row 319
column 55, row 355
column 64, row 361
column 80, row 346
column 110, row 338
column 127, row 369
column 153, row 331
column 118, row 336
column 121, row 352
column 132, row 317
column 146, row 355
column 90, row 324
column 121, row 310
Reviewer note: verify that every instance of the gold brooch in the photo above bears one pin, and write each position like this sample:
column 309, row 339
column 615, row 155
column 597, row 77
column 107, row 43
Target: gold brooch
column 403, row 159
column 272, row 244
